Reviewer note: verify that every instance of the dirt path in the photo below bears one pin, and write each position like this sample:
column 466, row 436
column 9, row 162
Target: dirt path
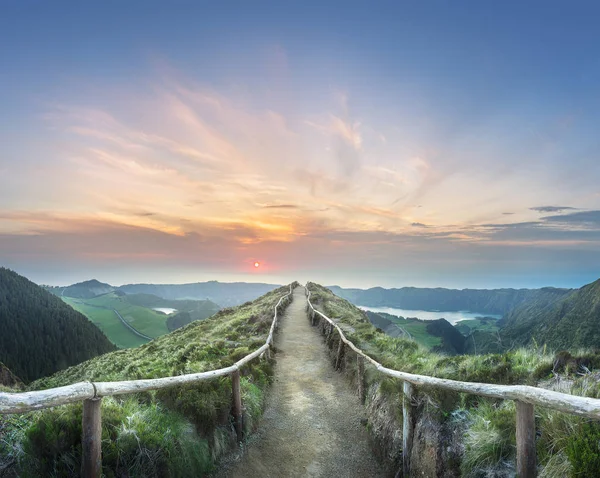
column 312, row 423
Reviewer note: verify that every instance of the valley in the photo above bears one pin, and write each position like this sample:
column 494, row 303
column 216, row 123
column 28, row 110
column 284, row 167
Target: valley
column 197, row 335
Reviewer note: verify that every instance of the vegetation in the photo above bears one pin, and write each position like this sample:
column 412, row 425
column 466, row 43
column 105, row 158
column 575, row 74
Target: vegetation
column 178, row 431
column 224, row 294
column 85, row 290
column 40, row 333
column 137, row 311
column 489, row 426
column 109, row 323
column 7, row 378
column 483, row 324
column 569, row 322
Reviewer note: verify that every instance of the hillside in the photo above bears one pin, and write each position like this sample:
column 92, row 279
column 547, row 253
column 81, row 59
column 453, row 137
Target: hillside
column 86, row 289
column 570, row 322
column 223, row 293
column 178, row 431
column 40, row 333
column 492, row 301
column 124, row 317
column 185, row 311
column 460, row 435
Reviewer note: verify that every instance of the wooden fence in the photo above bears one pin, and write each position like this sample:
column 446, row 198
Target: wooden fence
column 525, row 398
column 91, row 394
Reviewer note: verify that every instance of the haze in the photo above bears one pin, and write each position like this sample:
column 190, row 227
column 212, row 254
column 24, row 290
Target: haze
column 360, row 144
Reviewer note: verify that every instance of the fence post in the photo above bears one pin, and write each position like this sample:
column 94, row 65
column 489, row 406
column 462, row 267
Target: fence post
column 237, row 404
column 361, row 378
column 340, row 354
column 526, row 455
column 91, row 440
column 407, row 427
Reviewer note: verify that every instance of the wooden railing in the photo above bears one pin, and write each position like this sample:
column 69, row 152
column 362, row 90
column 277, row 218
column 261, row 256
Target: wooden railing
column 525, row 398
column 91, row 394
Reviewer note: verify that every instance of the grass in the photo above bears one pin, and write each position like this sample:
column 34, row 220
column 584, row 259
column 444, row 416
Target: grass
column 137, row 311
column 179, row 431
column 467, row 327
column 489, row 436
column 109, row 323
column 147, row 321
column 417, row 329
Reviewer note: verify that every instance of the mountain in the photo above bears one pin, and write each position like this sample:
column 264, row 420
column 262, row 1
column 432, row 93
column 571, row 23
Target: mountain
column 226, row 294
column 40, row 333
column 87, row 289
column 488, row 301
column 560, row 322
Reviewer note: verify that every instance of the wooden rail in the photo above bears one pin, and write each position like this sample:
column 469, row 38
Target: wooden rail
column 525, row 397
column 91, row 394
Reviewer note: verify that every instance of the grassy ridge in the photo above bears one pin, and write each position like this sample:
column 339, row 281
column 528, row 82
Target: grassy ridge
column 179, row 431
column 485, row 429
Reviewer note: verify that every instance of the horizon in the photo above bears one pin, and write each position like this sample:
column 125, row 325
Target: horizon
column 400, row 145
column 344, row 285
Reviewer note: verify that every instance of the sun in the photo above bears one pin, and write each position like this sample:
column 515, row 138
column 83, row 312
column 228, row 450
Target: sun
column 257, row 265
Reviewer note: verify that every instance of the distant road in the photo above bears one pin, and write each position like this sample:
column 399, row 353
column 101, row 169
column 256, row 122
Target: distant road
column 130, row 327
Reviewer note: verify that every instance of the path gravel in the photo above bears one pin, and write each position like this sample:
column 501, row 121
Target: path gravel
column 312, row 423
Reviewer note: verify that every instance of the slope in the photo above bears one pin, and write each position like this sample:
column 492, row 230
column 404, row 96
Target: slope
column 109, row 312
column 178, row 431
column 569, row 322
column 40, row 333
column 456, row 435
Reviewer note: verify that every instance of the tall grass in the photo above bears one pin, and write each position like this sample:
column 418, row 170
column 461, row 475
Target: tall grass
column 567, row 445
column 178, row 431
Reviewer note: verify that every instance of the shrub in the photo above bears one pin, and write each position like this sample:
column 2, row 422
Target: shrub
column 137, row 440
column 583, row 450
column 490, row 439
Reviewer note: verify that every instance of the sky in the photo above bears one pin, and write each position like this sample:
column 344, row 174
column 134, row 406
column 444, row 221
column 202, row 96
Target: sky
column 438, row 143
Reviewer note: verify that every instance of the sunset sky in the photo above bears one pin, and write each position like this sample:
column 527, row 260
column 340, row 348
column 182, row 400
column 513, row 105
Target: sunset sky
column 452, row 144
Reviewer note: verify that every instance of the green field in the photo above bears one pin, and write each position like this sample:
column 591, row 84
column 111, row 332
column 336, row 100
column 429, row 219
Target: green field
column 417, row 330
column 100, row 311
column 467, row 327
column 146, row 321
column 109, row 323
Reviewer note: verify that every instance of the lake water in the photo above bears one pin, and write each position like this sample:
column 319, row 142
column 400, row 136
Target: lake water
column 452, row 317
column 164, row 310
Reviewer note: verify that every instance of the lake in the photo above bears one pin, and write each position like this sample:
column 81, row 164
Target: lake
column 164, row 310
column 452, row 317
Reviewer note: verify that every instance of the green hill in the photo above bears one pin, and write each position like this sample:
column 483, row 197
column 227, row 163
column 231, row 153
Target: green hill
column 223, row 293
column 570, row 322
column 109, row 312
column 40, row 333
column 464, row 435
column 178, row 431
column 87, row 289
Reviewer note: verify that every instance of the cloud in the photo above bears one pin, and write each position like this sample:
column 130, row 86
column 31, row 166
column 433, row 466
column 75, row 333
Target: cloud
column 419, row 224
column 281, row 206
column 582, row 218
column 551, row 208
